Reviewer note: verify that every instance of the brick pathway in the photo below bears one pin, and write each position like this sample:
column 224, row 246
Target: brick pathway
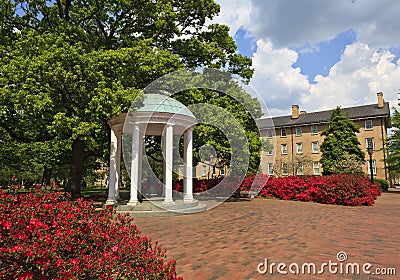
column 229, row 241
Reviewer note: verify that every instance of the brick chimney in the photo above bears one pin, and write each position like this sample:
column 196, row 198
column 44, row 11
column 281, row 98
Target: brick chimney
column 380, row 100
column 303, row 112
column 295, row 111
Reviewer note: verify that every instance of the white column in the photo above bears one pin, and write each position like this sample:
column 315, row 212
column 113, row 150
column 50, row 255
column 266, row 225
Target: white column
column 113, row 168
column 188, row 165
column 135, row 180
column 141, row 135
column 118, row 133
column 168, row 154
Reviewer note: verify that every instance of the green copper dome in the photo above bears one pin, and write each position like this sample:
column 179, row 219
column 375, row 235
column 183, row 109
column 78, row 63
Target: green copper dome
column 163, row 104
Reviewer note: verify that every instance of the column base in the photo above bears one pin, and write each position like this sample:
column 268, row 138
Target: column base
column 110, row 202
column 132, row 203
column 168, row 202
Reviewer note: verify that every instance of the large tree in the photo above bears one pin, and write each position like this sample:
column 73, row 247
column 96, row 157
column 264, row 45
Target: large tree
column 67, row 66
column 393, row 159
column 340, row 140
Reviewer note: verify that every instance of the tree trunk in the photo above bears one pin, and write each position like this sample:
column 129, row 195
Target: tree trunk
column 76, row 169
column 46, row 176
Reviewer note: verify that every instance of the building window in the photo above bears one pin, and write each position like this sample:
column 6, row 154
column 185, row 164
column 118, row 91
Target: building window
column 270, row 168
column 299, row 148
column 368, row 125
column 214, row 172
column 283, row 132
column 269, row 133
column 284, row 149
column 222, row 171
column 204, row 170
column 299, row 131
column 369, row 142
column 270, row 151
column 315, row 148
column 314, row 129
column 285, row 169
column 316, row 170
column 373, row 167
column 300, row 168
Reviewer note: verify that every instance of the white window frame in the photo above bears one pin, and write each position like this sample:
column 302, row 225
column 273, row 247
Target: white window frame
column 300, row 169
column 299, row 131
column 222, row 171
column 313, row 145
column 283, row 132
column 299, row 148
column 316, row 168
column 373, row 167
column 285, row 171
column 315, row 132
column 269, row 133
column 372, row 125
column 270, row 152
column 270, row 167
column 373, row 143
column 284, row 151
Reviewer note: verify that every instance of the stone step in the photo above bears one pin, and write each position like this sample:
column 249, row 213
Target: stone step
column 157, row 212
column 157, row 205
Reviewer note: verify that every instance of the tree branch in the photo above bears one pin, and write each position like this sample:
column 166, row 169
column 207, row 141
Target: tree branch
column 60, row 9
column 19, row 139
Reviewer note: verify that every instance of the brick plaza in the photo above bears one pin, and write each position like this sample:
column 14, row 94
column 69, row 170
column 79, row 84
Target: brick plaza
column 229, row 241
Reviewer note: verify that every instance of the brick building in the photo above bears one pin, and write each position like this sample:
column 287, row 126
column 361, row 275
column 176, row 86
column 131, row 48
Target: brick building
column 296, row 139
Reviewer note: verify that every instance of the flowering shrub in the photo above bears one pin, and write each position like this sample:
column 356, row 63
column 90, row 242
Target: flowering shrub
column 343, row 189
column 49, row 236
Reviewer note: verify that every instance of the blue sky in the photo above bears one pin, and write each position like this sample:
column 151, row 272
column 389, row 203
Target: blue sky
column 318, row 54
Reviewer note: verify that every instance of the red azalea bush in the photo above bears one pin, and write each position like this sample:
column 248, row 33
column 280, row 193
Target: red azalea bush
column 49, row 236
column 343, row 189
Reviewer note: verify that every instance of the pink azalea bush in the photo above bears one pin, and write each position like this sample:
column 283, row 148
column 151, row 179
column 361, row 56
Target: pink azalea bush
column 49, row 236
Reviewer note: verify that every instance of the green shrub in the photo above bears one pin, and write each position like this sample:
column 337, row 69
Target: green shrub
column 384, row 184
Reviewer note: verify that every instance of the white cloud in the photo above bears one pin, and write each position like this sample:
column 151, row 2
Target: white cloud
column 355, row 79
column 235, row 14
column 297, row 23
column 275, row 79
column 365, row 68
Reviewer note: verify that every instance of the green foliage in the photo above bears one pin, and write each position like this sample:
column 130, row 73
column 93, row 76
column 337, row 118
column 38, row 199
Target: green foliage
column 393, row 158
column 340, row 140
column 349, row 164
column 384, row 184
column 66, row 67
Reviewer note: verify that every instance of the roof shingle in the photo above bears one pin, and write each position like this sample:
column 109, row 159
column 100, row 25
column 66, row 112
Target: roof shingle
column 353, row 113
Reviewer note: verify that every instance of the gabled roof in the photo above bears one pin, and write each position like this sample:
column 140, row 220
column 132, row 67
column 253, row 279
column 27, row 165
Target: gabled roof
column 353, row 113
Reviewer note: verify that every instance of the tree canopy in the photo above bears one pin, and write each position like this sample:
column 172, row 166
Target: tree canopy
column 393, row 158
column 67, row 66
column 340, row 142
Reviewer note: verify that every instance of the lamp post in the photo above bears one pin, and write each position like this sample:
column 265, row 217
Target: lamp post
column 370, row 150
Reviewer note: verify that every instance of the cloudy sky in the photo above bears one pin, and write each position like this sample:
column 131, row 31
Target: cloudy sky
column 318, row 54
